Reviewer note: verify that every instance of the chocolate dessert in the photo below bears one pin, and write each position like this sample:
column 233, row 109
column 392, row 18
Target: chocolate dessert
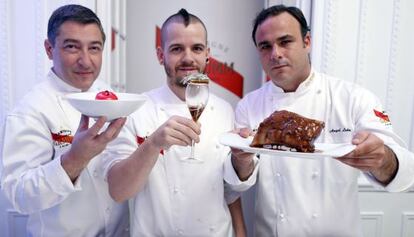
column 284, row 130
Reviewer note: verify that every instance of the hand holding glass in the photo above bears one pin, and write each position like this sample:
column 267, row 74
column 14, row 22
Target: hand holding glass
column 196, row 97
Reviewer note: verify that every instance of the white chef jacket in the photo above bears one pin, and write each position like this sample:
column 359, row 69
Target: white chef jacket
column 180, row 198
column 35, row 135
column 317, row 197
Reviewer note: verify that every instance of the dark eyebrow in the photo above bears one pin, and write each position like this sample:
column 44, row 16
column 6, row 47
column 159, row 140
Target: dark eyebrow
column 282, row 38
column 77, row 42
column 262, row 43
column 174, row 45
column 97, row 42
column 285, row 37
column 199, row 45
column 70, row 41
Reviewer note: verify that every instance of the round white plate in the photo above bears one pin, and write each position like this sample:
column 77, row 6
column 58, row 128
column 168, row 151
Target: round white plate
column 86, row 103
column 321, row 149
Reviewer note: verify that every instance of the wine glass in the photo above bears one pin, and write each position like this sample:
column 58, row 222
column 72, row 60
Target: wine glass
column 196, row 97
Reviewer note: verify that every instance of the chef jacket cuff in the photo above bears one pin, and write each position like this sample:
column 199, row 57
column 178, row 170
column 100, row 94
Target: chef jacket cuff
column 58, row 178
column 108, row 162
column 230, row 195
column 404, row 179
column 232, row 179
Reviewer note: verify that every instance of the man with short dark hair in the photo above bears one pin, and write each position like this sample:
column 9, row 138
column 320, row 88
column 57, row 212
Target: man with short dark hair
column 49, row 159
column 314, row 197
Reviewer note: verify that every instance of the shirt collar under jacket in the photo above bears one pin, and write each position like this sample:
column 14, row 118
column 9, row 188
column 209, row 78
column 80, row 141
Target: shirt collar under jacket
column 304, row 86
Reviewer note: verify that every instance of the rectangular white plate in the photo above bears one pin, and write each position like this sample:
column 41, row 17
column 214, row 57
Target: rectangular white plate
column 321, row 149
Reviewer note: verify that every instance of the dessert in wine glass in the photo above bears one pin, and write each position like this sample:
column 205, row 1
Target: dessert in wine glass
column 196, row 97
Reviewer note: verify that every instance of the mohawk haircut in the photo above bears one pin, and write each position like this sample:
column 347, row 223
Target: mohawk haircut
column 186, row 18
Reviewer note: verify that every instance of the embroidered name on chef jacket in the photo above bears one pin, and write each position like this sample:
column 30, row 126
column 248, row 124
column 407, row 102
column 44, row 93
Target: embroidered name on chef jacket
column 62, row 138
column 337, row 130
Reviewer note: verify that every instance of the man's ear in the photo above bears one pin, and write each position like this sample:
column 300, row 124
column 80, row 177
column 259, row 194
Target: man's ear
column 160, row 55
column 48, row 48
column 307, row 41
column 208, row 52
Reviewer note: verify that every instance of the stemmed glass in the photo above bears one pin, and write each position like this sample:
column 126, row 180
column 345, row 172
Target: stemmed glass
column 196, row 97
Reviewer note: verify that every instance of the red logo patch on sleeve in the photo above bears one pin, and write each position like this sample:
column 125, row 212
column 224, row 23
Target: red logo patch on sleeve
column 62, row 138
column 141, row 140
column 383, row 116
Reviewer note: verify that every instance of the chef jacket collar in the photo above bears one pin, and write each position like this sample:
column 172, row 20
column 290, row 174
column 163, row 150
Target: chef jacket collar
column 304, row 86
column 167, row 96
column 168, row 100
column 61, row 84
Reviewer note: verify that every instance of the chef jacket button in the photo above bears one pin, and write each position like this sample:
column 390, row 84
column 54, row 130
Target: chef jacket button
column 95, row 173
column 180, row 231
column 278, row 174
column 217, row 146
column 108, row 210
column 175, row 190
column 212, row 228
column 282, row 217
column 315, row 174
column 315, row 215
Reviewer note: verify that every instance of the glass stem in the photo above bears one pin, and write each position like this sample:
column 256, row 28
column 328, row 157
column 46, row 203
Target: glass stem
column 192, row 148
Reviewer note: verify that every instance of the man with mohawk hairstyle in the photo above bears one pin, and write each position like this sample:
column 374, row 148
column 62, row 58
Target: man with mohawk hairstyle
column 171, row 195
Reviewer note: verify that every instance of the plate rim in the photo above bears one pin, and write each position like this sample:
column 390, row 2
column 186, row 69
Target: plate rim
column 324, row 153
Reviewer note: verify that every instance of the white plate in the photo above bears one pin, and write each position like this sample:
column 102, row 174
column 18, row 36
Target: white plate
column 86, row 103
column 321, row 149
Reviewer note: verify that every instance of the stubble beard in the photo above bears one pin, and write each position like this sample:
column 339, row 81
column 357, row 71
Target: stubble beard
column 177, row 81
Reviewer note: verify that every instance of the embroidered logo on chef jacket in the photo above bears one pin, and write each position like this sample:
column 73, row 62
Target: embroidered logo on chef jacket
column 383, row 116
column 141, row 140
column 62, row 138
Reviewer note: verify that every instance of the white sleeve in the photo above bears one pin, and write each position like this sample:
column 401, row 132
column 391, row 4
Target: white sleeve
column 230, row 176
column 241, row 114
column 404, row 179
column 32, row 177
column 120, row 148
column 372, row 118
column 232, row 179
